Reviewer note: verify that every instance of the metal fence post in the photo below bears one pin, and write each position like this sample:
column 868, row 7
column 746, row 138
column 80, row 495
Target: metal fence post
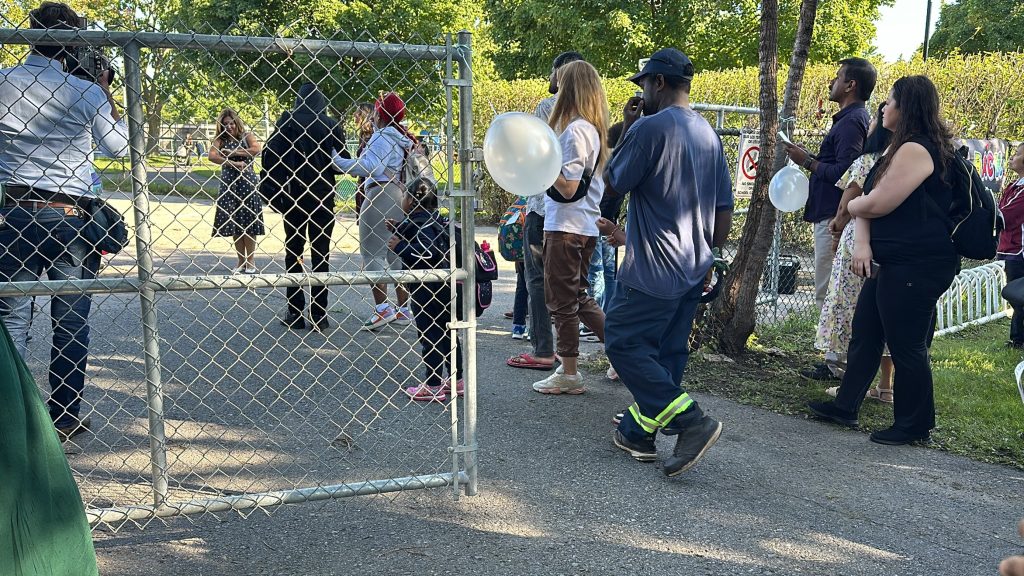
column 147, row 296
column 466, row 155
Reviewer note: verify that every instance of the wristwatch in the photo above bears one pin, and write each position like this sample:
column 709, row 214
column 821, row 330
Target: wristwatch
column 807, row 162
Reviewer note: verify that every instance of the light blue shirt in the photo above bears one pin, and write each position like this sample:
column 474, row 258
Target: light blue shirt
column 49, row 121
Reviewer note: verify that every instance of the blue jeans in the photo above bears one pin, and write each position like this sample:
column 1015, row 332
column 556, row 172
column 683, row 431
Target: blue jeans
column 521, row 306
column 646, row 341
column 601, row 275
column 47, row 240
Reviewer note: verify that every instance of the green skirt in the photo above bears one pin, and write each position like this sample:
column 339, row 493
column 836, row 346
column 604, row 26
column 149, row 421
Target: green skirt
column 43, row 529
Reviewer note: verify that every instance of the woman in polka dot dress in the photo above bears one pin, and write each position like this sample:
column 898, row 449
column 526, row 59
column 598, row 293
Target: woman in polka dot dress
column 239, row 207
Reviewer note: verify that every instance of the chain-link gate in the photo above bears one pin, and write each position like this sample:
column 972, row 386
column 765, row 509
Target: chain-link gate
column 204, row 395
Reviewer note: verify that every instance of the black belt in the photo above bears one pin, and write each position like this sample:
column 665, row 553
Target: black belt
column 17, row 193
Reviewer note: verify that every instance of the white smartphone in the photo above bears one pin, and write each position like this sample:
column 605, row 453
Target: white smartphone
column 783, row 137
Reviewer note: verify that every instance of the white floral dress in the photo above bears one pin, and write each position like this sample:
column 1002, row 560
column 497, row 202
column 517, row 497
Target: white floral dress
column 834, row 325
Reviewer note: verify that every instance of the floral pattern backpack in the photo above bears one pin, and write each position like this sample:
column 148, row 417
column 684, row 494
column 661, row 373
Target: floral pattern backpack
column 510, row 231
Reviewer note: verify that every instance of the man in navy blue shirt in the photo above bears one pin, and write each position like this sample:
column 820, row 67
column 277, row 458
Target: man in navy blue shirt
column 672, row 165
column 851, row 88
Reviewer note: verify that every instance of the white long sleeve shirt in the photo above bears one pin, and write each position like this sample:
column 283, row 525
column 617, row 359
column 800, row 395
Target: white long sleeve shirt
column 381, row 160
column 49, row 121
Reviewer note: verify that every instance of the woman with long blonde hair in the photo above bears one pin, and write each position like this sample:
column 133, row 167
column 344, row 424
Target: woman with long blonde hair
column 572, row 207
column 239, row 206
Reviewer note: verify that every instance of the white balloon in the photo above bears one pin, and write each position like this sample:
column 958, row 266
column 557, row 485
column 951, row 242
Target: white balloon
column 522, row 153
column 788, row 189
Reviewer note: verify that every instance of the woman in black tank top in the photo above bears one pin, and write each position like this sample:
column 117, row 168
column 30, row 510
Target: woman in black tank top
column 903, row 246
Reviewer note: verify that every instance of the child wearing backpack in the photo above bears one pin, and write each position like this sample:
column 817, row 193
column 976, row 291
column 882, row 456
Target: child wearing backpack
column 421, row 241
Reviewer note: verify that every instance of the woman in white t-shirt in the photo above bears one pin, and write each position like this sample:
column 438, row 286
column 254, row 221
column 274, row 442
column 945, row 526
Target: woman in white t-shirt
column 572, row 208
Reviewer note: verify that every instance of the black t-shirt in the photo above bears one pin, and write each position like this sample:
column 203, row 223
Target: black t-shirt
column 918, row 230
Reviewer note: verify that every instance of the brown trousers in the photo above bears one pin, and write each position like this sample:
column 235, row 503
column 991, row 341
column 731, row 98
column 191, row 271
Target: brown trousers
column 566, row 262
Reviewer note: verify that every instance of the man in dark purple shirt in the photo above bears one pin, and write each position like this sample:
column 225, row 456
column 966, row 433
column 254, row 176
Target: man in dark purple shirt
column 851, row 88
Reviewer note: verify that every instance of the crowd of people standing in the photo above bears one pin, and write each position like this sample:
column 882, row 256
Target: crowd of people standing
column 883, row 253
column 671, row 164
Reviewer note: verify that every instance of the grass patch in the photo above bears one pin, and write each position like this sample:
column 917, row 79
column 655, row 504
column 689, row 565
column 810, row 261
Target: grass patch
column 979, row 413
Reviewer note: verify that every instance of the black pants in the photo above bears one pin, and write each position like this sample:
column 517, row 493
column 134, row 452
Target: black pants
column 314, row 227
column 897, row 308
column 431, row 307
column 1015, row 269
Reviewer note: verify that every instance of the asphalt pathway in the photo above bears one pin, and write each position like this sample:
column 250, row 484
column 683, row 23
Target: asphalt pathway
column 252, row 406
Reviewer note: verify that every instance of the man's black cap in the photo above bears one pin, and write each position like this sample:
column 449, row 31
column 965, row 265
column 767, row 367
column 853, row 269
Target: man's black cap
column 667, row 62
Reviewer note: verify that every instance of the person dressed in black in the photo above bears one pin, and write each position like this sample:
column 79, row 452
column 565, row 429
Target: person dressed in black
column 421, row 241
column 903, row 247
column 299, row 178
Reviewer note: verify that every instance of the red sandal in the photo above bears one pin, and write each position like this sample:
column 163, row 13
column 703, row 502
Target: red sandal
column 526, row 360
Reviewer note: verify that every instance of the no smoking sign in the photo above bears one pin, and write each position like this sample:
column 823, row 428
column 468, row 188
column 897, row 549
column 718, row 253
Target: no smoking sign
column 750, row 151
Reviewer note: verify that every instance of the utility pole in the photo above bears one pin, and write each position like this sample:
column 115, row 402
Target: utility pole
column 927, row 28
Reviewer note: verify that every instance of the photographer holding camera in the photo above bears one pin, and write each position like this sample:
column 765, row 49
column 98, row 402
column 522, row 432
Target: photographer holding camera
column 49, row 120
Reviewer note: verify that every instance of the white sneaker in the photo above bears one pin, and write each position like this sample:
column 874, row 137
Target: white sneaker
column 380, row 318
column 560, row 383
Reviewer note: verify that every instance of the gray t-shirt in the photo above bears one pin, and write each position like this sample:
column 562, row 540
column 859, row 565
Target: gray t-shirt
column 673, row 167
column 535, row 203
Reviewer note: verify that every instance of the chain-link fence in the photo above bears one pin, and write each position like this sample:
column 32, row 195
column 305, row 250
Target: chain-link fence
column 787, row 285
column 231, row 357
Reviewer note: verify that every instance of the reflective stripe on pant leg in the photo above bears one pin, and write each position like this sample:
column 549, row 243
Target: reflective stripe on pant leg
column 648, row 425
column 651, row 425
column 677, row 407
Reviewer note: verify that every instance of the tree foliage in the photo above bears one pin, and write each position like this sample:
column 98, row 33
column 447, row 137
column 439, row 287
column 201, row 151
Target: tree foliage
column 614, row 35
column 973, row 26
column 350, row 79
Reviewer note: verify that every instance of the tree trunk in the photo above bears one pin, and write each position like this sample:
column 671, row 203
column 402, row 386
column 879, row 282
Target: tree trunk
column 735, row 313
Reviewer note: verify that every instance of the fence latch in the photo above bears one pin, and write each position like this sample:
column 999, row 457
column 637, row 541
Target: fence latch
column 473, row 154
column 463, row 449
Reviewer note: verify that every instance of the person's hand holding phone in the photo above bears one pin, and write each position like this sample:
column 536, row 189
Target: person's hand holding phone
column 797, row 154
column 862, row 259
column 633, row 110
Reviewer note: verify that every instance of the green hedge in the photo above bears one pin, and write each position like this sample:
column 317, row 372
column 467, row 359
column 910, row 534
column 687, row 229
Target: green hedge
column 982, row 95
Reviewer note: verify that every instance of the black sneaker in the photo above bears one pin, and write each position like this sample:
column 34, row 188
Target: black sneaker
column 893, row 437
column 1014, row 345
column 642, row 451
column 692, row 444
column 320, row 325
column 294, row 321
column 819, row 373
column 829, row 411
column 65, row 433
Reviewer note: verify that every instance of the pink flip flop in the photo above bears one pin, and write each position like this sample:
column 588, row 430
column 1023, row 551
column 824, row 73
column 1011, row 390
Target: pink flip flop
column 526, row 360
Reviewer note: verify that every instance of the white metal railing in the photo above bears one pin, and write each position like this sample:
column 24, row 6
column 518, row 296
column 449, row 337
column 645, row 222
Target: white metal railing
column 973, row 298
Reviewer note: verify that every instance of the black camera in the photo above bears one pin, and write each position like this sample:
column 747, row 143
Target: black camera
column 89, row 63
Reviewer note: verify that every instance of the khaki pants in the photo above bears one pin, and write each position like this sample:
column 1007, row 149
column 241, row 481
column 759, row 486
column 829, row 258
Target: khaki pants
column 566, row 263
column 823, row 257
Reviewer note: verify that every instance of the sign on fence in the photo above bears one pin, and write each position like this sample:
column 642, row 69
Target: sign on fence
column 990, row 158
column 746, row 167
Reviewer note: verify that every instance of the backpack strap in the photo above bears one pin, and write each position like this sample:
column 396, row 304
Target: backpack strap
column 581, row 189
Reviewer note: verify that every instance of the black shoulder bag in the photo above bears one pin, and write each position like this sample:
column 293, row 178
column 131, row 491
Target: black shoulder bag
column 581, row 189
